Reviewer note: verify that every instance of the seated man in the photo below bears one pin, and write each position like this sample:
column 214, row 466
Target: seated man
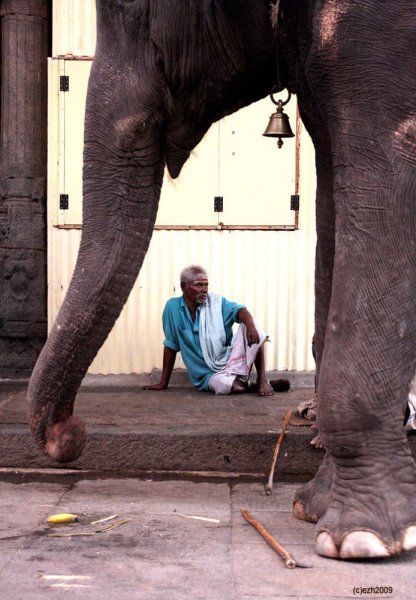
column 199, row 325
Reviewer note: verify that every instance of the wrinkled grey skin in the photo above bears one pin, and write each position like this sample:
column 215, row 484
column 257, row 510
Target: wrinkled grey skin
column 164, row 71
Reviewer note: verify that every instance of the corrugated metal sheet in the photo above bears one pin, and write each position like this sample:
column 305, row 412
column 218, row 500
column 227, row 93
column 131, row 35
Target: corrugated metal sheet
column 73, row 28
column 271, row 272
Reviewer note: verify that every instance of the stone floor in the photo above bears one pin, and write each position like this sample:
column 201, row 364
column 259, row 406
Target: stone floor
column 162, row 552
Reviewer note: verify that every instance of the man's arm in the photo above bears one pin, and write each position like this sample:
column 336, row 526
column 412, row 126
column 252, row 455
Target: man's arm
column 252, row 334
column 169, row 357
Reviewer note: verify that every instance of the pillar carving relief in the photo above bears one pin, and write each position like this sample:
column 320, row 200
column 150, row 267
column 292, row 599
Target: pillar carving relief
column 23, row 164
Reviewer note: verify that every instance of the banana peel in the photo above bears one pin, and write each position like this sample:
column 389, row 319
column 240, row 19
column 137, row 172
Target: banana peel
column 62, row 518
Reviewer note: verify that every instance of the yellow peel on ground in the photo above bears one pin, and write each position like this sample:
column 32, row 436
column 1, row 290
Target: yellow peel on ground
column 63, row 518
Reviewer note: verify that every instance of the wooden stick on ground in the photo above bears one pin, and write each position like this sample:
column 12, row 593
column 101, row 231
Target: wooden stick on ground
column 269, row 484
column 284, row 554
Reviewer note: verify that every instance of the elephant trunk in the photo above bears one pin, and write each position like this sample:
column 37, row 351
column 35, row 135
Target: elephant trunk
column 123, row 171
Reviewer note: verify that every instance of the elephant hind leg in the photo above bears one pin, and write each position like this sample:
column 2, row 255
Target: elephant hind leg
column 65, row 440
column 311, row 500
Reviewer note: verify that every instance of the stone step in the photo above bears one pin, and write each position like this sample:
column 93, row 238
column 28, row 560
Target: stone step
column 176, row 430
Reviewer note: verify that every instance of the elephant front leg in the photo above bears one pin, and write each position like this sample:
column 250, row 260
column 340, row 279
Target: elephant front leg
column 368, row 363
column 371, row 510
column 311, row 499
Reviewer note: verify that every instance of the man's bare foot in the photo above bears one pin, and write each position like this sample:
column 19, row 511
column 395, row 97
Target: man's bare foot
column 264, row 388
column 277, row 385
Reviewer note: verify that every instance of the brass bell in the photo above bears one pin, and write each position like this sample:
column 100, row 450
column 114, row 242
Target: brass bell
column 279, row 122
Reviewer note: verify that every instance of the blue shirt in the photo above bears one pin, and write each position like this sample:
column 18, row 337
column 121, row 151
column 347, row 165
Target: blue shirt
column 182, row 335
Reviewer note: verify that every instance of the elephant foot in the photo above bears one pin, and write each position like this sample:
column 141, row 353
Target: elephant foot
column 311, row 500
column 363, row 544
column 65, row 440
column 371, row 510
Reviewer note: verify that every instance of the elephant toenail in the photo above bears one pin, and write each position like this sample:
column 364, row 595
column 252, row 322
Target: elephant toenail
column 409, row 541
column 325, row 545
column 362, row 544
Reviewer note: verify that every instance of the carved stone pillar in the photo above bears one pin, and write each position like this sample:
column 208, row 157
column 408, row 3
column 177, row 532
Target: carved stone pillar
column 23, row 135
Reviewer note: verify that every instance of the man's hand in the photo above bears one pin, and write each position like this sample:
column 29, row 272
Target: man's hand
column 251, row 331
column 169, row 357
column 156, row 386
column 252, row 334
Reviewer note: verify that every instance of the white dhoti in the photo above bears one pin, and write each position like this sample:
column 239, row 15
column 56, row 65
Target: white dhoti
column 239, row 363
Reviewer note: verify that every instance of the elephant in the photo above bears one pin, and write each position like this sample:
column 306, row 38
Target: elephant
column 163, row 72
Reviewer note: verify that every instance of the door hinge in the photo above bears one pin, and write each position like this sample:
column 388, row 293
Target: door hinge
column 63, row 202
column 218, row 203
column 294, row 202
column 64, row 83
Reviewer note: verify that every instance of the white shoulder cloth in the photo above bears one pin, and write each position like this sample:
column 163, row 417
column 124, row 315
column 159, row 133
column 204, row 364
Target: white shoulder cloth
column 212, row 333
